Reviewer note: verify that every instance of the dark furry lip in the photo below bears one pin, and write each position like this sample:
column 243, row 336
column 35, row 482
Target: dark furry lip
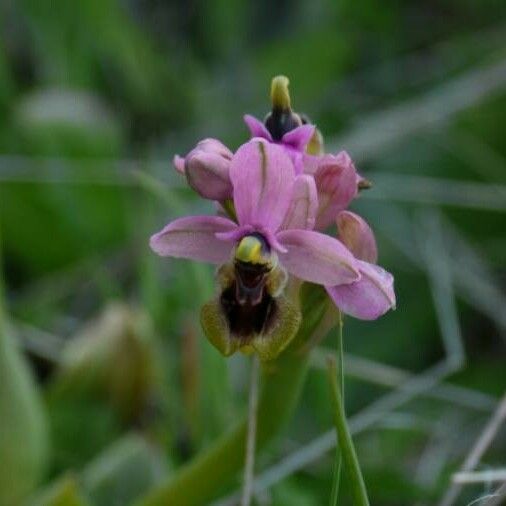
column 247, row 320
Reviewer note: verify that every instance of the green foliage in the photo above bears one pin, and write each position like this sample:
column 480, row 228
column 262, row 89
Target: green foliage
column 24, row 443
column 65, row 492
column 120, row 474
column 123, row 472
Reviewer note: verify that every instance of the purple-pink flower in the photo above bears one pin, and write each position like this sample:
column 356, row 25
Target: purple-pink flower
column 267, row 200
column 275, row 200
column 271, row 200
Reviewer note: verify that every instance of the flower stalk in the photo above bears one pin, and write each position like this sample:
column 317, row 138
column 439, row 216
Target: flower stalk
column 336, row 479
column 345, row 442
column 249, row 464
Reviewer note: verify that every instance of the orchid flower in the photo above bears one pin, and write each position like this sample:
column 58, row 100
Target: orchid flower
column 275, row 210
column 274, row 200
column 263, row 181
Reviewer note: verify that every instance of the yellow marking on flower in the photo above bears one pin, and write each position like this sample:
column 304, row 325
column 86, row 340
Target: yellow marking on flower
column 280, row 96
column 249, row 250
column 315, row 145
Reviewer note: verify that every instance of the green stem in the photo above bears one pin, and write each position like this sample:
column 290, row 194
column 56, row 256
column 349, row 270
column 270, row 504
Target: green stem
column 336, row 480
column 358, row 490
column 214, row 471
column 249, row 464
column 2, row 293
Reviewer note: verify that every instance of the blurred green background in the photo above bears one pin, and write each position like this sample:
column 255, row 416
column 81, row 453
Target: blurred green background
column 96, row 96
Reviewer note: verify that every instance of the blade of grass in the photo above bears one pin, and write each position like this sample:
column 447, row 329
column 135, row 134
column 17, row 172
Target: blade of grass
column 336, row 479
column 431, row 244
column 411, row 388
column 370, row 138
column 497, row 497
column 480, row 476
column 24, row 441
column 383, row 374
column 479, row 289
column 352, row 466
column 438, row 191
column 476, row 453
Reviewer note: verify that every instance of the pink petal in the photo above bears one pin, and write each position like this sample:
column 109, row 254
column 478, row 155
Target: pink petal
column 211, row 145
column 194, row 237
column 262, row 176
column 178, row 162
column 357, row 236
column 310, row 163
column 297, row 158
column 302, row 212
column 299, row 137
column 370, row 297
column 337, row 187
column 317, row 258
column 257, row 128
column 208, row 174
column 343, row 158
column 206, row 145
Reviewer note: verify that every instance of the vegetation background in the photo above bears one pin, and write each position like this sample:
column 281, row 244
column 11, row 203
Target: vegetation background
column 96, row 96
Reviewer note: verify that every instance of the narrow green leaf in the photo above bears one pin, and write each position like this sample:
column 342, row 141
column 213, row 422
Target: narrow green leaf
column 349, row 456
column 23, row 433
